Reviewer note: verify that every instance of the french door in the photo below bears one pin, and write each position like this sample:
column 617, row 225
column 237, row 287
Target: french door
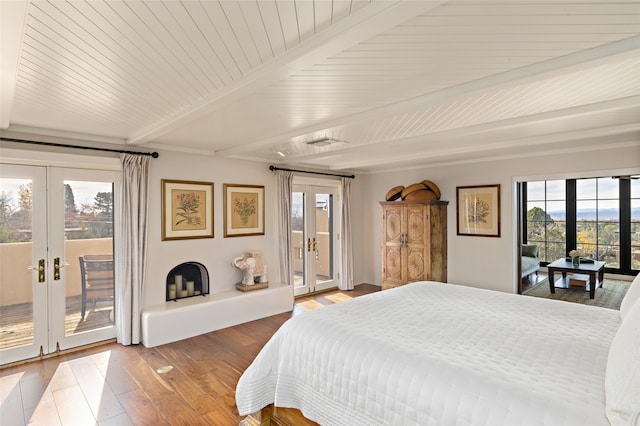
column 49, row 218
column 315, row 238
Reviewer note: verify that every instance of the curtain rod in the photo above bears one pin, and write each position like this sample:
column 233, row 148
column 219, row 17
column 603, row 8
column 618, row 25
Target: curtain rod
column 62, row 145
column 272, row 168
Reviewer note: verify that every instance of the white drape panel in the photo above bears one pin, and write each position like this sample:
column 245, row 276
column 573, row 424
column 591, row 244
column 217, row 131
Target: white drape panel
column 132, row 255
column 347, row 241
column 284, row 182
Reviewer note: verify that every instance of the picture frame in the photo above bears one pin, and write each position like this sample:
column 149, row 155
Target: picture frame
column 478, row 210
column 243, row 210
column 187, row 209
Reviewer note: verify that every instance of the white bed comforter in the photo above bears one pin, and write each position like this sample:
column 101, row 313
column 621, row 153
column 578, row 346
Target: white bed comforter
column 437, row 354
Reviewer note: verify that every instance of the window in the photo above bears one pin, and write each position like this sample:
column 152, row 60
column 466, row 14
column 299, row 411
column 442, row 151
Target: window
column 598, row 219
column 546, row 218
column 635, row 223
column 598, row 216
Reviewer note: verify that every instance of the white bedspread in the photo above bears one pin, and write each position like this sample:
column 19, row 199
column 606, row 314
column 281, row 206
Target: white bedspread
column 437, row 354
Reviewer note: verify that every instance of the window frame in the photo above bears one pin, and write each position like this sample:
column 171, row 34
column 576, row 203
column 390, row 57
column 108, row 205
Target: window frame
column 625, row 216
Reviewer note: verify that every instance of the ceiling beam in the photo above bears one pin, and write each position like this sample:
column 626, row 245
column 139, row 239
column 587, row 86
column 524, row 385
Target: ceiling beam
column 476, row 129
column 549, row 68
column 362, row 25
column 578, row 137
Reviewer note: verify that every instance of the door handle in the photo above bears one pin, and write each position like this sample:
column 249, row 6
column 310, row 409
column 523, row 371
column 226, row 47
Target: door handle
column 40, row 268
column 315, row 245
column 57, row 267
column 308, row 244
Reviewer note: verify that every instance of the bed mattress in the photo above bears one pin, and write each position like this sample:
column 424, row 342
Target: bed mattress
column 429, row 353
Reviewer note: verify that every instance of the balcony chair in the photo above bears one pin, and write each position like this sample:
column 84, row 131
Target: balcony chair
column 97, row 278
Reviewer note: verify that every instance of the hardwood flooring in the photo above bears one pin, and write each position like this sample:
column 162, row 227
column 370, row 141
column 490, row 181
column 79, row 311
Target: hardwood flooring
column 532, row 281
column 111, row 385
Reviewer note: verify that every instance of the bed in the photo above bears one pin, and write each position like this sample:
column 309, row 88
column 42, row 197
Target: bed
column 430, row 353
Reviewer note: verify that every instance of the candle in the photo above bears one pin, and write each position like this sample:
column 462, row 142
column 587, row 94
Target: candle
column 183, row 293
column 172, row 293
column 190, row 288
column 178, row 279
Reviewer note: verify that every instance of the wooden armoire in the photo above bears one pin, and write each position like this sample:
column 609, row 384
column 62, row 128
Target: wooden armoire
column 414, row 242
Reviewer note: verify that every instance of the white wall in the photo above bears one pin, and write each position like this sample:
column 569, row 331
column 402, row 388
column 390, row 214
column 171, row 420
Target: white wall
column 215, row 253
column 474, row 261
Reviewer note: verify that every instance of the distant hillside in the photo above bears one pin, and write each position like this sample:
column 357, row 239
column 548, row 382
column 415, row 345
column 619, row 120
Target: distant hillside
column 592, row 214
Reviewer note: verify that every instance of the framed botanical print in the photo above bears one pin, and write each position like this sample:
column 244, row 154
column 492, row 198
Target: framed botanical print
column 243, row 210
column 478, row 210
column 187, row 209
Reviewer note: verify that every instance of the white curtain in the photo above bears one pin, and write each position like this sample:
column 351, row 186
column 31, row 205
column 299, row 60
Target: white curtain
column 284, row 183
column 132, row 251
column 347, row 242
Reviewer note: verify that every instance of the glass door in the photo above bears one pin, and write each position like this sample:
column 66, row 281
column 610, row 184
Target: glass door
column 51, row 218
column 23, row 256
column 315, row 234
column 81, row 235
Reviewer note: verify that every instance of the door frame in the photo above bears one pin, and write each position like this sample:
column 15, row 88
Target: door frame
column 334, row 187
column 48, row 302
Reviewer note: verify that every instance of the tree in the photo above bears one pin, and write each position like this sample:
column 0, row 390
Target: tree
column 7, row 233
column 103, row 202
column 69, row 200
column 542, row 229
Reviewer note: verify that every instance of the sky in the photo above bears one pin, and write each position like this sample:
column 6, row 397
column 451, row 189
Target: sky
column 83, row 191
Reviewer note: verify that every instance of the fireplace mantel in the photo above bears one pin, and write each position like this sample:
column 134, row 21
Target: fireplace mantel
column 176, row 320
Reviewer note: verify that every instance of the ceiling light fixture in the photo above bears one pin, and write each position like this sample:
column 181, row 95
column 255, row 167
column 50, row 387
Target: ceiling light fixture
column 324, row 141
column 281, row 154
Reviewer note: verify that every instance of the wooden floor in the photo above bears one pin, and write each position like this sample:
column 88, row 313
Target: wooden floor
column 116, row 385
column 533, row 280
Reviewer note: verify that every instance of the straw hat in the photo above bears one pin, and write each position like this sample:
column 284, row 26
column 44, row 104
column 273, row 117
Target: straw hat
column 432, row 186
column 394, row 193
column 421, row 195
column 412, row 188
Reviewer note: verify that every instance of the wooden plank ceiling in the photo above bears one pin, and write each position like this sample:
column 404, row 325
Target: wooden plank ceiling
column 392, row 84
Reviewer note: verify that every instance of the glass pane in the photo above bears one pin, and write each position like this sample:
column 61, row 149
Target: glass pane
column 536, row 211
column 16, row 249
column 586, row 210
column 586, row 189
column 608, row 233
column 586, row 232
column 535, row 190
column 635, row 233
column 635, row 187
column 557, row 232
column 608, row 188
column 608, row 210
column 635, row 257
column 324, row 238
column 588, row 250
column 297, row 237
column 556, row 189
column 88, row 246
column 535, row 231
column 557, row 210
column 610, row 255
column 555, row 251
column 635, row 209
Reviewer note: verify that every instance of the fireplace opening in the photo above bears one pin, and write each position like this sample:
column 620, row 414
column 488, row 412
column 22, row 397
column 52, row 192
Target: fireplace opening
column 188, row 279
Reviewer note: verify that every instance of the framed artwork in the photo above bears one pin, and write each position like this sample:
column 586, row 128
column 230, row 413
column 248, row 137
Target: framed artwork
column 478, row 210
column 243, row 210
column 187, row 209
